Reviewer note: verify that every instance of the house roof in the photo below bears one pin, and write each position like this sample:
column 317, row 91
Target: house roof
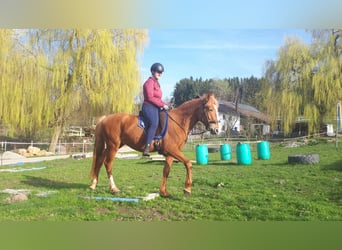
column 243, row 110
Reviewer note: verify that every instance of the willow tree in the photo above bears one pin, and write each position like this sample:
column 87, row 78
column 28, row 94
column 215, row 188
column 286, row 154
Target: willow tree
column 23, row 84
column 95, row 68
column 308, row 80
column 327, row 75
column 291, row 91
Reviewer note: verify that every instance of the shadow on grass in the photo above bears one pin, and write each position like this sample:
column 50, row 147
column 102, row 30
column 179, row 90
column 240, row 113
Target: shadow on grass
column 220, row 163
column 336, row 197
column 337, row 166
column 231, row 163
column 47, row 183
column 254, row 163
column 335, row 194
column 212, row 163
column 150, row 162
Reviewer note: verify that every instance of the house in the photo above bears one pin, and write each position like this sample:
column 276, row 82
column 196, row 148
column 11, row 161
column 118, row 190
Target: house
column 235, row 119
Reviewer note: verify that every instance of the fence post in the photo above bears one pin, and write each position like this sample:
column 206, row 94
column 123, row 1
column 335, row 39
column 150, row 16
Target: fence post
column 338, row 120
column 2, row 151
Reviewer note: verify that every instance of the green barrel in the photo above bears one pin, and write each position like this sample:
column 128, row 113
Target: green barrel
column 225, row 152
column 202, row 154
column 263, row 149
column 243, row 154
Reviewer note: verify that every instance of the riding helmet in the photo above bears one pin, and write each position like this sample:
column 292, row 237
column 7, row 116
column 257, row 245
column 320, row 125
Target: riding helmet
column 157, row 67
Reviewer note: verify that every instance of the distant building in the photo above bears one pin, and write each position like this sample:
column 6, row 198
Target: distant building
column 242, row 118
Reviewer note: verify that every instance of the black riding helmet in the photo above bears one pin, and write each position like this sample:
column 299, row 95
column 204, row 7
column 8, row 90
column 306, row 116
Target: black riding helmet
column 157, row 67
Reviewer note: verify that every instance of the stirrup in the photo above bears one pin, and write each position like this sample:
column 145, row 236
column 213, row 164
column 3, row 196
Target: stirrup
column 146, row 154
column 146, row 151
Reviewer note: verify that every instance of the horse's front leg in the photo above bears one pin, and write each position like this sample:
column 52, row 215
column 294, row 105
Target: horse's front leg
column 188, row 166
column 188, row 179
column 166, row 171
column 110, row 154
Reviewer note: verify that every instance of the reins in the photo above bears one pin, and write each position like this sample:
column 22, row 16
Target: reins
column 179, row 125
column 187, row 132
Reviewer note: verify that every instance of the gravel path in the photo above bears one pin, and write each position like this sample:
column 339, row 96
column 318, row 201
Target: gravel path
column 11, row 158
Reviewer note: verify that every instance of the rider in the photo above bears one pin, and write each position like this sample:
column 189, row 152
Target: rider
column 152, row 104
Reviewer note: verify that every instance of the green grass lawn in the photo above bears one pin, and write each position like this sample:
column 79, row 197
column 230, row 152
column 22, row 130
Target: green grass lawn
column 267, row 190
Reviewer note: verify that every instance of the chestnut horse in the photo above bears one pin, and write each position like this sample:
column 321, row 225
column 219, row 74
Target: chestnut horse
column 115, row 130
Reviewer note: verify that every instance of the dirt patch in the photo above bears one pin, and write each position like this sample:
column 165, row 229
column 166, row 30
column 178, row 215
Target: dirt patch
column 17, row 198
column 147, row 214
column 101, row 210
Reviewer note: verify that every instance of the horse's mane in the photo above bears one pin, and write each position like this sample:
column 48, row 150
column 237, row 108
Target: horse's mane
column 189, row 102
column 198, row 98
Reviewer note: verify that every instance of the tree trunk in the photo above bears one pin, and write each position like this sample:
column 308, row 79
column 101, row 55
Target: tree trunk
column 55, row 137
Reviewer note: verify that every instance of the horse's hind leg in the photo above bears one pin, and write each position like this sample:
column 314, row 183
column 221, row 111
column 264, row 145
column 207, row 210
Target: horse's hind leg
column 98, row 159
column 96, row 170
column 110, row 154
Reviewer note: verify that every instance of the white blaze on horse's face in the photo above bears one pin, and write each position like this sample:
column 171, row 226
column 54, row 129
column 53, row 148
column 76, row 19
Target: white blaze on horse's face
column 214, row 125
column 217, row 115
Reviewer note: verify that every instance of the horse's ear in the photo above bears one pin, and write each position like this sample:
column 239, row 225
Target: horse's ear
column 208, row 95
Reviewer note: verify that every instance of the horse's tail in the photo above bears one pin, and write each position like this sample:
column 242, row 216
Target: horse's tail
column 99, row 146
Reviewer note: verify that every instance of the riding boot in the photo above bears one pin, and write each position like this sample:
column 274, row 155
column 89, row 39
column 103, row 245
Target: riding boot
column 146, row 150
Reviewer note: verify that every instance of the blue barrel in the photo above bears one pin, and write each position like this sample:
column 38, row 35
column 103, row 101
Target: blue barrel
column 243, row 154
column 202, row 154
column 263, row 149
column 225, row 152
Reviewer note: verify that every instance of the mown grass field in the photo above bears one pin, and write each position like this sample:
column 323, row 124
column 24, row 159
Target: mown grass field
column 267, row 190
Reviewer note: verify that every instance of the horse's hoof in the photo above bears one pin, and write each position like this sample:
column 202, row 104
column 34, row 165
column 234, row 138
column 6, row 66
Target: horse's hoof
column 115, row 191
column 187, row 193
column 92, row 187
column 165, row 195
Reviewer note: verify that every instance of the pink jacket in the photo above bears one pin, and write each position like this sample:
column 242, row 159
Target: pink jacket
column 152, row 92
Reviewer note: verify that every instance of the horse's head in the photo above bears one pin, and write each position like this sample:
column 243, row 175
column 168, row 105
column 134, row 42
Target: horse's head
column 210, row 118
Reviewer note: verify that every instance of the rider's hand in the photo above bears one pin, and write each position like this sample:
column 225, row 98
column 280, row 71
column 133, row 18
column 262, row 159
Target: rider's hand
column 165, row 107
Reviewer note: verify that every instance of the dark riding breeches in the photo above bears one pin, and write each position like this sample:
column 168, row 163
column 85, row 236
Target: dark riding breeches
column 151, row 114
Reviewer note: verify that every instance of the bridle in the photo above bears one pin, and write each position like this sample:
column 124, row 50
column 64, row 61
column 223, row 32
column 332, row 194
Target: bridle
column 206, row 111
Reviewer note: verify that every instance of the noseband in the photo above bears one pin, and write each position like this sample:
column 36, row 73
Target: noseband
column 206, row 115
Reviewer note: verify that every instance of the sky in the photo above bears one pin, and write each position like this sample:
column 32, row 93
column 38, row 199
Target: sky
column 213, row 53
column 198, row 38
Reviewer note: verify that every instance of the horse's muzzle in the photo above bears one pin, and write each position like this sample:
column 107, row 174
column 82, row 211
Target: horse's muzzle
column 213, row 127
column 214, row 131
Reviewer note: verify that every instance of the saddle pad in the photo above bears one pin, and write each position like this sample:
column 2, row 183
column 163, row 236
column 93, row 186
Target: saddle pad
column 141, row 123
